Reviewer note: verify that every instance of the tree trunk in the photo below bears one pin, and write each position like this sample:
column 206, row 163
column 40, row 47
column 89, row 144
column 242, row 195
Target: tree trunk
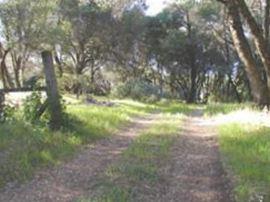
column 161, row 82
column 17, row 79
column 17, row 62
column 231, row 84
column 92, row 72
column 267, row 22
column 193, row 88
column 52, row 91
column 259, row 89
column 234, row 88
column 6, row 78
column 17, row 71
column 192, row 63
column 257, row 32
column 5, row 85
column 2, row 105
column 59, row 65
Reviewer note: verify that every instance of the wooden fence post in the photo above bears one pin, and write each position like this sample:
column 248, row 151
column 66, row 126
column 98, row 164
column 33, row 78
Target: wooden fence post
column 52, row 91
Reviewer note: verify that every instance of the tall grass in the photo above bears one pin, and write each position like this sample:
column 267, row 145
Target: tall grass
column 246, row 149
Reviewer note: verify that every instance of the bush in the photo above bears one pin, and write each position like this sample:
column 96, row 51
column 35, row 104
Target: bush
column 84, row 85
column 121, row 91
column 152, row 99
column 164, row 101
column 137, row 89
column 8, row 114
column 32, row 105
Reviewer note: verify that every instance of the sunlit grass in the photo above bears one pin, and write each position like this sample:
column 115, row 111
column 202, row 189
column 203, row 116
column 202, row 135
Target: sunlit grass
column 223, row 108
column 175, row 107
column 245, row 145
column 246, row 149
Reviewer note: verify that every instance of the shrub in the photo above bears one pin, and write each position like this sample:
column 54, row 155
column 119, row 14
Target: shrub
column 82, row 84
column 164, row 101
column 121, row 91
column 137, row 89
column 32, row 105
column 8, row 114
column 152, row 99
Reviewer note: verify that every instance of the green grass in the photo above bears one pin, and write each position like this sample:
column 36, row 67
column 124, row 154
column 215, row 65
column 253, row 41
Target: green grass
column 25, row 148
column 246, row 149
column 175, row 107
column 212, row 109
column 95, row 122
column 140, row 163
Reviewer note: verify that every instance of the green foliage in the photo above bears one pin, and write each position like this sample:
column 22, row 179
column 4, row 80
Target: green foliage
column 152, row 99
column 175, row 107
column 210, row 10
column 246, row 149
column 121, row 91
column 137, row 89
column 141, row 90
column 8, row 114
column 30, row 20
column 32, row 105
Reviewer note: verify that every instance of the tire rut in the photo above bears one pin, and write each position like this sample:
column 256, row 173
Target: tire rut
column 195, row 173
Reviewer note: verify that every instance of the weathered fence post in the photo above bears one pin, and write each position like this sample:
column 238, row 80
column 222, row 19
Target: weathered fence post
column 2, row 105
column 52, row 91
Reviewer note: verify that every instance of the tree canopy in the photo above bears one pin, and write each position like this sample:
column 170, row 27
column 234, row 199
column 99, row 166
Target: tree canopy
column 193, row 50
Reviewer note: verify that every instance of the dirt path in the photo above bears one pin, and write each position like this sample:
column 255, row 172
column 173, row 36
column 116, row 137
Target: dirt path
column 195, row 173
column 73, row 179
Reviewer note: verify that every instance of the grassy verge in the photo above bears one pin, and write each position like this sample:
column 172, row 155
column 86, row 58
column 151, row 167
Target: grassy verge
column 222, row 108
column 246, row 149
column 138, row 170
column 25, row 148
